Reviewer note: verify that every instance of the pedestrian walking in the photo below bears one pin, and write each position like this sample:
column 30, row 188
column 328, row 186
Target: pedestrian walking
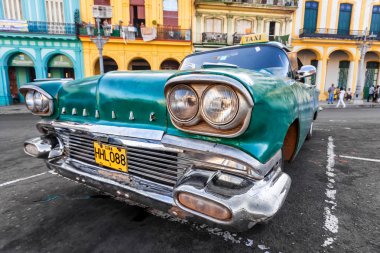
column 331, row 94
column 341, row 98
column 349, row 95
column 375, row 94
column 370, row 93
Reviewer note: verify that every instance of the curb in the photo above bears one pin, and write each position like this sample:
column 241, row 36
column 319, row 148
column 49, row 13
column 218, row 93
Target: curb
column 19, row 109
column 349, row 106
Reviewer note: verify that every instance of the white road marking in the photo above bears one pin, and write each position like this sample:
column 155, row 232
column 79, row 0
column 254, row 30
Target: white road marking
column 331, row 221
column 360, row 158
column 21, row 179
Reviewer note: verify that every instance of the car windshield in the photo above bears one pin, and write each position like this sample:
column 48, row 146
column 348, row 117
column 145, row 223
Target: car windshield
column 263, row 58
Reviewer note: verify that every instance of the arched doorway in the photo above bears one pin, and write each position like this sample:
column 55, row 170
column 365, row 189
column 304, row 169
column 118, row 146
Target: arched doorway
column 60, row 66
column 109, row 65
column 169, row 64
column 20, row 71
column 139, row 64
column 338, row 70
column 372, row 75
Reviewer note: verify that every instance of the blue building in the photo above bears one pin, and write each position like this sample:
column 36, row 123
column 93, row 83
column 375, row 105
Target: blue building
column 37, row 40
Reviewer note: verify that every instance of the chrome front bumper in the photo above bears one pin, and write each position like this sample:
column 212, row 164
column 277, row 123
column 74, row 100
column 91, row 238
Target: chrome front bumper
column 248, row 199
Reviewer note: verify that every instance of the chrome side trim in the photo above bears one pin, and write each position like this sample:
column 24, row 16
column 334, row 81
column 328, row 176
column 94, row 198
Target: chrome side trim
column 112, row 130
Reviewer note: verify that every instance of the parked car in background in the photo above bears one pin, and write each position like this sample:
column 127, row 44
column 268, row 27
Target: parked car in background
column 206, row 143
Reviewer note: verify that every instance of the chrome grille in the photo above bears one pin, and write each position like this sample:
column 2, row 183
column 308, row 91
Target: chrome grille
column 160, row 166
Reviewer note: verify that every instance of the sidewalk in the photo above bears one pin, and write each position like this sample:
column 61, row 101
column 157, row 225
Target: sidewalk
column 350, row 104
column 13, row 109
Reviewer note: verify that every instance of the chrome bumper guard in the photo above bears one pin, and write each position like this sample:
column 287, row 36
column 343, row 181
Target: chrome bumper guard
column 249, row 200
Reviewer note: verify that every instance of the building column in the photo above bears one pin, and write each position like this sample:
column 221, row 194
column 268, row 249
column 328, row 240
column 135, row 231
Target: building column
column 41, row 71
column 4, row 89
column 198, row 29
column 355, row 76
column 319, row 74
column 350, row 75
column 259, row 23
column 378, row 78
column 323, row 72
column 230, row 31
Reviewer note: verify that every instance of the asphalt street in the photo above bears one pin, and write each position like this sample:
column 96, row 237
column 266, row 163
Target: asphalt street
column 333, row 204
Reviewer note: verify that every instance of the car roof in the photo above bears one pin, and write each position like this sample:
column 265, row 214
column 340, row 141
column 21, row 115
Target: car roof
column 270, row 43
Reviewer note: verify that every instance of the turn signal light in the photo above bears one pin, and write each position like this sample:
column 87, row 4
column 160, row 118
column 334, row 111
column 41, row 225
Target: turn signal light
column 204, row 206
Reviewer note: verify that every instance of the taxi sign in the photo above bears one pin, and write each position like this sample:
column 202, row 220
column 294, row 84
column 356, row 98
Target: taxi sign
column 254, row 38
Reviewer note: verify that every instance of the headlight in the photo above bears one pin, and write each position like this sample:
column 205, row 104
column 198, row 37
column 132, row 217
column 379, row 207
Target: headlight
column 220, row 105
column 29, row 101
column 183, row 103
column 41, row 103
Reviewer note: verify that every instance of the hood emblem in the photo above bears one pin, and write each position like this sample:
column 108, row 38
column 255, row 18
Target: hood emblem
column 113, row 115
column 74, row 111
column 63, row 110
column 85, row 114
column 152, row 117
column 97, row 114
column 131, row 116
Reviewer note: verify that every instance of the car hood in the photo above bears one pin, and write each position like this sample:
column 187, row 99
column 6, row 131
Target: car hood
column 132, row 99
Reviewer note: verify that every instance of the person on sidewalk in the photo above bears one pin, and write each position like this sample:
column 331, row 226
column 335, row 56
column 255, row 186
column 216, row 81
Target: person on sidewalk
column 341, row 98
column 376, row 94
column 370, row 93
column 331, row 94
column 349, row 95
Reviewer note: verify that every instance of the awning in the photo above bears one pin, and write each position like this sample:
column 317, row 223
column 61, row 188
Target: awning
column 60, row 61
column 20, row 60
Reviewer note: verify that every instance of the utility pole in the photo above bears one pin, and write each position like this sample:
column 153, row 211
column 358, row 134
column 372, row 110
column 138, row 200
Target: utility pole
column 365, row 43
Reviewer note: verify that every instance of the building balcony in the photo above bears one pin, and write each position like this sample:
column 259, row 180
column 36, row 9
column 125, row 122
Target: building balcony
column 255, row 3
column 161, row 33
column 327, row 33
column 37, row 27
column 214, row 38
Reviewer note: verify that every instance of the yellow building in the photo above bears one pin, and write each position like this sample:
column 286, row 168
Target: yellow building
column 170, row 20
column 329, row 34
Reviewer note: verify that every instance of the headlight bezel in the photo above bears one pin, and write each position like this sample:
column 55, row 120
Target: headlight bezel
column 47, row 108
column 200, row 83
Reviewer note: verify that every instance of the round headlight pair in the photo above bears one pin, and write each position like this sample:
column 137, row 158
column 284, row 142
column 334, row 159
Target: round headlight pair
column 36, row 102
column 220, row 104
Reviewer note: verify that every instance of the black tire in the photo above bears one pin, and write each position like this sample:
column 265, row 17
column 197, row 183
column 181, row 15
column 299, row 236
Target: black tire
column 310, row 133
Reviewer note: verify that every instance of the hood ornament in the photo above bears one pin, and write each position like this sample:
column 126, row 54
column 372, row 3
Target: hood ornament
column 131, row 116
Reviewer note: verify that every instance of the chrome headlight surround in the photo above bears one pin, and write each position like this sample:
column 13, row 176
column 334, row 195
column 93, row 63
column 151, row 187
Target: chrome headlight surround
column 200, row 83
column 38, row 101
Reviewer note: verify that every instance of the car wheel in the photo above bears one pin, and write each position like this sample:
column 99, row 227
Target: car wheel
column 310, row 133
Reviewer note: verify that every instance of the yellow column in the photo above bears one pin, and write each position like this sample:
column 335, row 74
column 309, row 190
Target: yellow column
column 323, row 95
column 356, row 70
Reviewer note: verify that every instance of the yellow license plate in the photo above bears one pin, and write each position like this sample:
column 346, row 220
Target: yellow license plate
column 111, row 156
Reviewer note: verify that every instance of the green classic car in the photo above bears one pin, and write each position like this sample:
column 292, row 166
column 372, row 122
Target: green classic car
column 206, row 143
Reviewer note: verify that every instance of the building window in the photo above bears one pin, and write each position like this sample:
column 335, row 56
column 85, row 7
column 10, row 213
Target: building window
column 214, row 25
column 371, row 74
column 170, row 12
column 12, row 9
column 375, row 23
column 311, row 16
column 55, row 11
column 343, row 74
column 244, row 26
column 272, row 30
column 137, row 14
column 106, row 3
column 344, row 18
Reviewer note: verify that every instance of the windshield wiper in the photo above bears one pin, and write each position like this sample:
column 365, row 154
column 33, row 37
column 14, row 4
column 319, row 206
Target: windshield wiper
column 208, row 65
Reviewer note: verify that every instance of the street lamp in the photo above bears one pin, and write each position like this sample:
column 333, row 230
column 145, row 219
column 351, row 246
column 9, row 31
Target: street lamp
column 365, row 43
column 99, row 40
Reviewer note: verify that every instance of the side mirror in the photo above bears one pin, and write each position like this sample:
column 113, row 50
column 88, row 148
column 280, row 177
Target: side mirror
column 306, row 71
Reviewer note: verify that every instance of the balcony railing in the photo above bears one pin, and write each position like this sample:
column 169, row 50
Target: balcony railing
column 39, row 27
column 265, row 3
column 214, row 38
column 163, row 33
column 327, row 33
